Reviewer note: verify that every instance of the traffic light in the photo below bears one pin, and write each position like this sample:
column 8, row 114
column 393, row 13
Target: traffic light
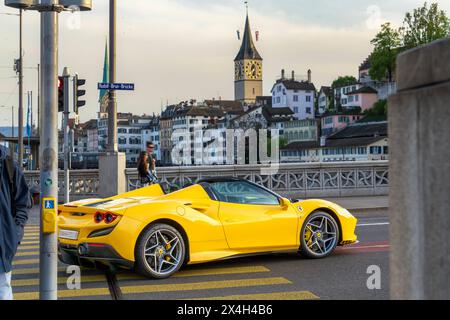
column 77, row 93
column 61, row 97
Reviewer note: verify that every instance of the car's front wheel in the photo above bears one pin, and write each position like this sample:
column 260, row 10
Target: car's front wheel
column 160, row 251
column 319, row 236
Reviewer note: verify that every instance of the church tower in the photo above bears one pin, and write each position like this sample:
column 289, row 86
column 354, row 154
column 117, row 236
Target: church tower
column 248, row 83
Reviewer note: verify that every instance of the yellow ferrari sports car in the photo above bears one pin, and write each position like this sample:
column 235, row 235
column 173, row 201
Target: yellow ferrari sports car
column 155, row 232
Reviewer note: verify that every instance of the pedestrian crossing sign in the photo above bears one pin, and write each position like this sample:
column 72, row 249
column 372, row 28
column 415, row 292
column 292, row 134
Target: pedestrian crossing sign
column 49, row 204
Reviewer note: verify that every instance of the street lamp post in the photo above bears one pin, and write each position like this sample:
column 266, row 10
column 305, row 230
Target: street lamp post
column 112, row 112
column 20, row 158
column 48, row 262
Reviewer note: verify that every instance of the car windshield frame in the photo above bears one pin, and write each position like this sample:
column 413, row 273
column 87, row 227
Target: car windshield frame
column 214, row 194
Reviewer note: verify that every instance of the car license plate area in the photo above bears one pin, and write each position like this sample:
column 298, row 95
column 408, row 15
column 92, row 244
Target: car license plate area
column 68, row 234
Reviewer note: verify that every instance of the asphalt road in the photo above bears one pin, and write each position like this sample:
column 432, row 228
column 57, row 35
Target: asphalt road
column 343, row 275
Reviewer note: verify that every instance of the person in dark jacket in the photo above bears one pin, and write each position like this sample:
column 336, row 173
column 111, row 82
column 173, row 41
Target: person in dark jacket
column 14, row 204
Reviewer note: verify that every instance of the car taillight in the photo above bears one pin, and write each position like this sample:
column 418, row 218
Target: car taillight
column 99, row 217
column 110, row 218
column 107, row 217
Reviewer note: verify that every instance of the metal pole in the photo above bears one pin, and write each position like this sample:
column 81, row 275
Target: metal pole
column 48, row 261
column 20, row 158
column 66, row 129
column 112, row 112
column 39, row 100
column 12, row 122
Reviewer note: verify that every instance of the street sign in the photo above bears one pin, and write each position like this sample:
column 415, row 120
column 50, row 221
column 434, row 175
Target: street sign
column 49, row 204
column 116, row 86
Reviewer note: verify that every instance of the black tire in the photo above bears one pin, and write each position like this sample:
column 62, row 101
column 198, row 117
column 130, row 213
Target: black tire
column 149, row 265
column 325, row 245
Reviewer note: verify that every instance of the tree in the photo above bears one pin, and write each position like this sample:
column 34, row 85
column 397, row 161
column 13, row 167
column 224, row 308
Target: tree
column 387, row 46
column 343, row 81
column 378, row 109
column 424, row 25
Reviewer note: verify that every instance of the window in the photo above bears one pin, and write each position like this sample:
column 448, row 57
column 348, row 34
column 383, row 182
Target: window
column 295, row 109
column 308, row 110
column 243, row 192
column 356, row 98
column 295, row 98
column 278, row 100
column 308, row 98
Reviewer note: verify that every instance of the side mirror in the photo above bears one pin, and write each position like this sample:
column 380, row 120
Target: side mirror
column 285, row 203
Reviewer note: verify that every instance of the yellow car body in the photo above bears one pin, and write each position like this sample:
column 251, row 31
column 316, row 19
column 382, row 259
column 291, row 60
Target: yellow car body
column 212, row 229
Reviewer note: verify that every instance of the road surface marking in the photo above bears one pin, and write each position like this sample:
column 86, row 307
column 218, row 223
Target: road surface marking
column 365, row 247
column 299, row 295
column 104, row 291
column 203, row 285
column 27, row 254
column 30, row 242
column 27, row 261
column 373, row 224
column 30, row 238
column 159, row 288
column 221, row 271
column 32, row 271
column 100, row 277
column 23, row 248
column 61, row 280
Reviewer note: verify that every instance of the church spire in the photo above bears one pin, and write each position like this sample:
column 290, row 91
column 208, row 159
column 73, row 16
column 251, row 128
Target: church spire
column 248, row 49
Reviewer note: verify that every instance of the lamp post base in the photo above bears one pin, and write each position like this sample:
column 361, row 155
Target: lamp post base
column 112, row 166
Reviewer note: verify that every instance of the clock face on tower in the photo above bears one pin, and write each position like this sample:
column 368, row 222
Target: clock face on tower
column 253, row 70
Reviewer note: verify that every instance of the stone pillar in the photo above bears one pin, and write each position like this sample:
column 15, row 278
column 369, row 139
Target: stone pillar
column 419, row 138
column 112, row 177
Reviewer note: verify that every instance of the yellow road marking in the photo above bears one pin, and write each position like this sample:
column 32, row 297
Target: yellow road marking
column 61, row 280
column 160, row 288
column 298, row 295
column 22, row 248
column 30, row 242
column 27, row 261
column 220, row 271
column 27, row 254
column 30, row 239
column 65, row 294
column 30, row 271
column 203, row 285
column 96, row 278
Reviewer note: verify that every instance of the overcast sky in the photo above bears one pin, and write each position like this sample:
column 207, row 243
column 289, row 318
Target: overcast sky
column 176, row 50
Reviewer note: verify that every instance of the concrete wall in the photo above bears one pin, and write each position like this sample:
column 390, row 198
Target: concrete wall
column 420, row 174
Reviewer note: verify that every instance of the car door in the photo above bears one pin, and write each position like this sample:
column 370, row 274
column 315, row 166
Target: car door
column 253, row 217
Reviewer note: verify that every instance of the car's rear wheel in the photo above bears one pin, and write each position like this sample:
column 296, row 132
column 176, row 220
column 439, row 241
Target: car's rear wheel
column 160, row 251
column 319, row 236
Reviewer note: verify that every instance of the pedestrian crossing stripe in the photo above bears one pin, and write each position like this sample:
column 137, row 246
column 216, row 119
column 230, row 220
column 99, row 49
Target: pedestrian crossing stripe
column 30, row 242
column 125, row 277
column 296, row 295
column 24, row 262
column 27, row 254
column 207, row 285
column 27, row 247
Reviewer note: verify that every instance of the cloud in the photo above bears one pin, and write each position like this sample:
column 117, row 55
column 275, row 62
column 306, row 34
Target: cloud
column 180, row 49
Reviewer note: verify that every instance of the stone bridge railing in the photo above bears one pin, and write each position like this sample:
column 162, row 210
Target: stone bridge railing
column 339, row 179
